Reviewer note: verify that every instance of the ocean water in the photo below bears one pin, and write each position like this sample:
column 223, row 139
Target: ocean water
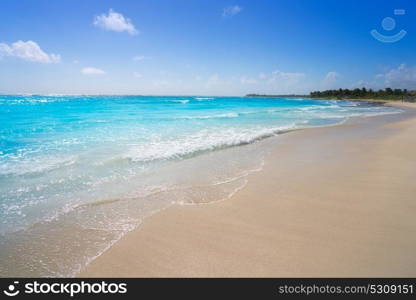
column 78, row 172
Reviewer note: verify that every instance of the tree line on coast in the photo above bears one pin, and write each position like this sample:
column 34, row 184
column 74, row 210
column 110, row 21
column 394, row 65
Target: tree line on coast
column 363, row 93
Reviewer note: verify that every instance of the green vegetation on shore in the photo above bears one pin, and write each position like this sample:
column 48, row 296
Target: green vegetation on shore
column 387, row 94
column 366, row 94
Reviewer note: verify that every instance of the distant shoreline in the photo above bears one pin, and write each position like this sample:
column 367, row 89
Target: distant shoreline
column 381, row 101
column 277, row 96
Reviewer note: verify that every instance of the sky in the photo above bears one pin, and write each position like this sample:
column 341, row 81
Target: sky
column 203, row 47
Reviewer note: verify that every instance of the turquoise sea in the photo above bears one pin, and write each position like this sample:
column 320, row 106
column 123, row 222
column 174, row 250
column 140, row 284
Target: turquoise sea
column 78, row 172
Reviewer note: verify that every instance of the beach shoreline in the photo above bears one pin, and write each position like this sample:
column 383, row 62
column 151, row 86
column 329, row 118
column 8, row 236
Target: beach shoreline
column 96, row 178
column 325, row 204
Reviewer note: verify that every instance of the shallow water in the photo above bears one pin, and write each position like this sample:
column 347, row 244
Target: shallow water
column 78, row 172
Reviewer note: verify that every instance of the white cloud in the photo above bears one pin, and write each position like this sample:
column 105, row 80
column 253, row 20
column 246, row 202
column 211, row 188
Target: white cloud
column 213, row 79
column 277, row 82
column 262, row 76
column 217, row 83
column 286, row 79
column 247, row 80
column 330, row 79
column 360, row 84
column 92, row 71
column 400, row 77
column 137, row 75
column 140, row 57
column 161, row 83
column 29, row 51
column 115, row 21
column 231, row 11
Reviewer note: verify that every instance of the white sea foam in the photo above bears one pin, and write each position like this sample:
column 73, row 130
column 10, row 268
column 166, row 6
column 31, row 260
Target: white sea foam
column 202, row 141
column 184, row 101
column 204, row 98
column 35, row 164
column 218, row 116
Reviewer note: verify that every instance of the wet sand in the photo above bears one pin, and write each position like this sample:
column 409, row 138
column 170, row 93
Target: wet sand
column 334, row 201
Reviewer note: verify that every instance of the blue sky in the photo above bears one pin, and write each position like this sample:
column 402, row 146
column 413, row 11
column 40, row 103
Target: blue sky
column 202, row 47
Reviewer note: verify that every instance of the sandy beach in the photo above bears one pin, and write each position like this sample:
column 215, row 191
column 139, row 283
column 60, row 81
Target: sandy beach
column 330, row 201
